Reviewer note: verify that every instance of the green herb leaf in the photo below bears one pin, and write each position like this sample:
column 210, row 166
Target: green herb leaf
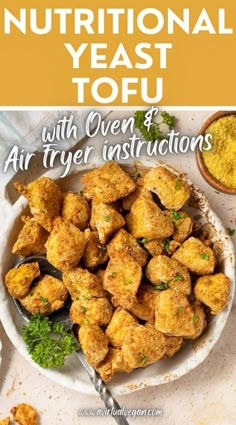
column 181, row 309
column 164, row 285
column 85, row 321
column 48, row 343
column 144, row 360
column 166, row 244
column 153, row 134
column 204, row 256
column 177, row 185
column 113, row 275
column 44, row 300
column 175, row 215
column 143, row 240
column 168, row 119
column 83, row 308
column 107, row 217
column 231, row 232
column 135, row 175
column 178, row 276
column 194, row 318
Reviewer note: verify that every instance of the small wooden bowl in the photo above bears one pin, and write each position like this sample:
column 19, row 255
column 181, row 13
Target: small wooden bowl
column 200, row 161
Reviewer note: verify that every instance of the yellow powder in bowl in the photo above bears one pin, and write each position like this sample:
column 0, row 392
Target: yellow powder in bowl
column 221, row 159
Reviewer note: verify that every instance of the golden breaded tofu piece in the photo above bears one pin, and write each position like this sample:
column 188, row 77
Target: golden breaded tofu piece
column 65, row 245
column 199, row 320
column 25, row 414
column 19, row 280
column 197, row 257
column 143, row 346
column 182, row 223
column 31, row 239
column 139, row 191
column 82, row 285
column 172, row 343
column 119, row 326
column 213, row 291
column 107, row 184
column 100, row 275
column 95, row 311
column 75, row 209
column 174, row 314
column 114, row 362
column 122, row 278
column 106, row 220
column 47, row 295
column 146, row 220
column 164, row 270
column 144, row 308
column 95, row 253
column 171, row 189
column 125, row 242
column 45, row 198
column 94, row 343
column 154, row 247
column 5, row 421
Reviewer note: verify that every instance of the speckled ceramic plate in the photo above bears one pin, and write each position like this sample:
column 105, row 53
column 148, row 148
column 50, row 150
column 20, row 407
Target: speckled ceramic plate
column 72, row 374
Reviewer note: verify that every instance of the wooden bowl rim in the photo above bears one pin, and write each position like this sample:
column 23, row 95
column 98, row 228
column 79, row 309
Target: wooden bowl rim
column 200, row 161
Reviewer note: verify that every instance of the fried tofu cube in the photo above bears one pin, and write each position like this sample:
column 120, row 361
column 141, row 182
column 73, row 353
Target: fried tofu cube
column 94, row 343
column 194, row 255
column 174, row 314
column 100, row 275
column 106, row 220
column 182, row 223
column 95, row 253
column 139, row 191
column 76, row 209
column 25, row 414
column 143, row 346
column 119, row 326
column 107, row 184
column 46, row 296
column 146, row 220
column 144, row 308
column 95, row 311
column 172, row 343
column 125, row 242
column 82, row 285
column 213, row 291
column 122, row 278
column 45, row 198
column 5, row 421
column 171, row 189
column 114, row 362
column 65, row 245
column 164, row 270
column 31, row 239
column 154, row 247
column 19, row 280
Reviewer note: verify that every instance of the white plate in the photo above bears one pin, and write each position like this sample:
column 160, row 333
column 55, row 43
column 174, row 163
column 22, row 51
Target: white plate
column 72, row 374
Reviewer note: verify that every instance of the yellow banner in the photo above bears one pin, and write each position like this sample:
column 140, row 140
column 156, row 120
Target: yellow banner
column 117, row 53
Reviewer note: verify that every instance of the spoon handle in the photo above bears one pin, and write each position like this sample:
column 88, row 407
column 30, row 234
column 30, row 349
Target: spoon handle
column 111, row 404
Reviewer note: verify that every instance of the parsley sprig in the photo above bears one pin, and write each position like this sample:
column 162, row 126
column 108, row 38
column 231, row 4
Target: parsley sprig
column 154, row 133
column 48, row 343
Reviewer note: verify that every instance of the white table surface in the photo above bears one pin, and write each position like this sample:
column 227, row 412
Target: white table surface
column 205, row 396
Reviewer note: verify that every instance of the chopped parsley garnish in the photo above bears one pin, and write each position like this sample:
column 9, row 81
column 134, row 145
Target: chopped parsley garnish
column 231, row 232
column 154, row 132
column 168, row 119
column 86, row 321
column 127, row 281
column 194, row 318
column 144, row 360
column 204, row 256
column 44, row 300
column 107, row 217
column 143, row 240
column 113, row 275
column 48, row 343
column 83, row 308
column 181, row 309
column 178, row 276
column 177, row 185
column 135, row 175
column 164, row 285
column 175, row 215
column 166, row 245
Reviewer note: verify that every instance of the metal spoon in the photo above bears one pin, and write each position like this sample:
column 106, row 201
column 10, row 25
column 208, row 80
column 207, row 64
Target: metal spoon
column 62, row 315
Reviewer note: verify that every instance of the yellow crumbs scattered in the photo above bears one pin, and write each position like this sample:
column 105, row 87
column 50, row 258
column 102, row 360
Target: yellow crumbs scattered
column 221, row 159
